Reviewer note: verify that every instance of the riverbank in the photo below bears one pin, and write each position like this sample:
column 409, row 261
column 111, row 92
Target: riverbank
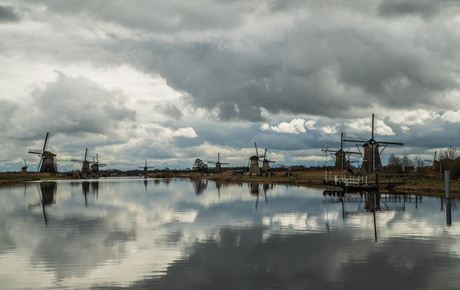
column 426, row 187
column 314, row 179
column 13, row 177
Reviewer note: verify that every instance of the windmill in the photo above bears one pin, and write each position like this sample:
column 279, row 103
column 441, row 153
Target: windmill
column 371, row 160
column 342, row 158
column 434, row 161
column 265, row 162
column 218, row 163
column 47, row 159
column 146, row 168
column 95, row 164
column 84, row 163
column 254, row 167
column 24, row 168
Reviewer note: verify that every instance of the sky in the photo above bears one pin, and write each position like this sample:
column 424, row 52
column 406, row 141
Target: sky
column 173, row 81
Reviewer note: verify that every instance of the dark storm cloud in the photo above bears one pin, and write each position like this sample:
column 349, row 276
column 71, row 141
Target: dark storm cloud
column 401, row 8
column 315, row 67
column 154, row 16
column 8, row 14
column 312, row 57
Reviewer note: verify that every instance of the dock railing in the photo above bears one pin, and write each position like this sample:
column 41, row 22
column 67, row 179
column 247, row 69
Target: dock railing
column 357, row 180
column 347, row 180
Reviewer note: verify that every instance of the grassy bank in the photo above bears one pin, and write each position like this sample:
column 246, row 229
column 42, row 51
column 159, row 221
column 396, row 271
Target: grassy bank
column 427, row 187
column 10, row 177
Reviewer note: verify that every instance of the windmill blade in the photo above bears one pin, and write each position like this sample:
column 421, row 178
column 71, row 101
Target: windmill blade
column 40, row 164
column 341, row 141
column 46, row 141
column 391, row 143
column 265, row 153
column 75, row 160
column 257, row 152
column 86, row 154
column 34, row 152
column 355, row 141
column 372, row 126
column 351, row 152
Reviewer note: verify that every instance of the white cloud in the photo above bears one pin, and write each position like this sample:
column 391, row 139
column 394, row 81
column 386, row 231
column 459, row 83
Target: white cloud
column 411, row 117
column 296, row 126
column 405, row 129
column 451, row 116
column 187, row 132
column 329, row 129
column 365, row 126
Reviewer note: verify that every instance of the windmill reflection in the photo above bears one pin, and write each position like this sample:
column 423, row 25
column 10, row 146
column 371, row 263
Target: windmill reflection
column 47, row 195
column 370, row 202
column 90, row 186
column 200, row 186
column 254, row 189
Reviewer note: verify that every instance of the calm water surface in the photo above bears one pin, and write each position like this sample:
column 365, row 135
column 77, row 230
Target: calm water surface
column 177, row 234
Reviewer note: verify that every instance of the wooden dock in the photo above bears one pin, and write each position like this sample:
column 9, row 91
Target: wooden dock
column 365, row 183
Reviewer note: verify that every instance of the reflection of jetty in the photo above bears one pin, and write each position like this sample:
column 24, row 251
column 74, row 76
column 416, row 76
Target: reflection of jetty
column 367, row 183
column 370, row 202
column 373, row 201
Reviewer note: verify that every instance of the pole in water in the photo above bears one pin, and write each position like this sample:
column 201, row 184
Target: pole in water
column 448, row 203
column 447, row 180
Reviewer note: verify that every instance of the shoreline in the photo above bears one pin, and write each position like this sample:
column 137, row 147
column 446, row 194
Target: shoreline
column 313, row 179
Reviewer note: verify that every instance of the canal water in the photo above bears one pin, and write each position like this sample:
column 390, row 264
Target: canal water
column 178, row 234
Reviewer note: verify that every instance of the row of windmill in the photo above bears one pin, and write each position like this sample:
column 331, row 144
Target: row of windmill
column 371, row 162
column 47, row 162
column 372, row 150
column 258, row 163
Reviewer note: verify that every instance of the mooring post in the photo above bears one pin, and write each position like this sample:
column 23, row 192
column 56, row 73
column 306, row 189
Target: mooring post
column 448, row 203
column 447, row 179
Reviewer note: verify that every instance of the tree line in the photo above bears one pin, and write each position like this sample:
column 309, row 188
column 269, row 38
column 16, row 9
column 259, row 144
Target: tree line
column 449, row 159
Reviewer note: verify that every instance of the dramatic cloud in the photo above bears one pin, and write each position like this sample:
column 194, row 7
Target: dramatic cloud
column 129, row 79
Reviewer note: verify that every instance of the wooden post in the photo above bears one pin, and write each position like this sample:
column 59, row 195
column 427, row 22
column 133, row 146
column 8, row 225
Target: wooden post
column 447, row 180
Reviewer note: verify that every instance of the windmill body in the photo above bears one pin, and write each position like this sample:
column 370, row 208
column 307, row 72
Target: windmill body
column 95, row 166
column 371, row 160
column 24, row 168
column 218, row 164
column 145, row 168
column 47, row 162
column 254, row 167
column 85, row 164
column 266, row 163
column 342, row 158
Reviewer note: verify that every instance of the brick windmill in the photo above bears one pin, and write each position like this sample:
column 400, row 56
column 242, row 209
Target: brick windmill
column 218, row 164
column 84, row 163
column 265, row 162
column 254, row 167
column 371, row 160
column 47, row 159
column 342, row 158
column 145, row 168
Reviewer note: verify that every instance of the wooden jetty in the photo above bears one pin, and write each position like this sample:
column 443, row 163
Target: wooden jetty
column 365, row 182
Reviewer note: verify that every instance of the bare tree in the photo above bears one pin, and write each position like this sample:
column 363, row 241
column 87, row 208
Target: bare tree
column 450, row 154
column 419, row 163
